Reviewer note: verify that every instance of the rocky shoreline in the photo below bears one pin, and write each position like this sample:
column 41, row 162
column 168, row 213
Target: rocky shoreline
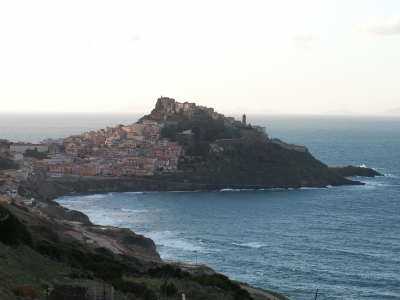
column 88, row 185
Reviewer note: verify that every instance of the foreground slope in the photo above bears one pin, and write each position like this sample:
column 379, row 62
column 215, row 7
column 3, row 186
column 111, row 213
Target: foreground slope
column 38, row 257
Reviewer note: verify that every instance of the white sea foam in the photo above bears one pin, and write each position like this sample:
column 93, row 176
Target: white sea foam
column 235, row 190
column 378, row 184
column 274, row 189
column 133, row 193
column 171, row 239
column 391, row 175
column 136, row 211
column 250, row 245
column 95, row 196
column 170, row 243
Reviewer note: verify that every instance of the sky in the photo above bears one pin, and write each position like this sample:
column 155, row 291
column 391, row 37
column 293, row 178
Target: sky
column 290, row 56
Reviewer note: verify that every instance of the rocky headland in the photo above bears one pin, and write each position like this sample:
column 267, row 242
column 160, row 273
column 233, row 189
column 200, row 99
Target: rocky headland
column 198, row 149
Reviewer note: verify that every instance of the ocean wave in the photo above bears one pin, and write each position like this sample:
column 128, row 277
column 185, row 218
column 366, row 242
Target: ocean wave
column 376, row 184
column 230, row 190
column 137, row 211
column 173, row 241
column 133, row 193
column 391, row 175
column 250, row 245
column 95, row 196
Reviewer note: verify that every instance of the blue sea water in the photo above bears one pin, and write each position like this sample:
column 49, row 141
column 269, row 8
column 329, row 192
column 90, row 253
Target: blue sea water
column 343, row 241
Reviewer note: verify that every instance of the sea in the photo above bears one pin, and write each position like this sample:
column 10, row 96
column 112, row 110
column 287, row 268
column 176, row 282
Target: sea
column 343, row 241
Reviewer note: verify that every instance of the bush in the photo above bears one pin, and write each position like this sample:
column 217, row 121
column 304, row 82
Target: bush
column 105, row 271
column 12, row 231
column 168, row 288
column 222, row 282
column 168, row 271
column 46, row 232
column 104, row 251
column 76, row 274
column 139, row 289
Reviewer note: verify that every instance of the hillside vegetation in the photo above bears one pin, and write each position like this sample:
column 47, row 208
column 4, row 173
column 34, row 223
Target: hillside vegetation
column 258, row 164
column 40, row 256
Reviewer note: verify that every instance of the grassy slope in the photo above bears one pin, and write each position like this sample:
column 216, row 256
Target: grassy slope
column 23, row 265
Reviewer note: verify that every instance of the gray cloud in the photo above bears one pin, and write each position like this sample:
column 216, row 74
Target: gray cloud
column 378, row 26
column 301, row 42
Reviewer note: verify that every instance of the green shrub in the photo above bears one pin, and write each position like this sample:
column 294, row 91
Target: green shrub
column 168, row 289
column 105, row 271
column 168, row 271
column 76, row 274
column 222, row 282
column 46, row 232
column 139, row 289
column 104, row 251
column 12, row 231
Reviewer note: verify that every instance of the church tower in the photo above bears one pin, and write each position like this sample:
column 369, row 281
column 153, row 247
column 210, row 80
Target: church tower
column 244, row 119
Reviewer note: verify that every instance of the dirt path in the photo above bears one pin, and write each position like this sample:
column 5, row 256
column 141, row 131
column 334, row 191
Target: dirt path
column 255, row 291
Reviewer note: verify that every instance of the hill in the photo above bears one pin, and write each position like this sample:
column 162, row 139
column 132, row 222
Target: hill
column 391, row 112
column 39, row 260
column 182, row 146
column 226, row 153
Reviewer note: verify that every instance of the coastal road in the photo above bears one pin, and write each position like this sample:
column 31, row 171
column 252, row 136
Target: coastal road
column 255, row 291
column 104, row 242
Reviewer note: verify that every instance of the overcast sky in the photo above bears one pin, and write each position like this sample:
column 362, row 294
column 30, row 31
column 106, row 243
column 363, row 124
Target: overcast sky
column 292, row 56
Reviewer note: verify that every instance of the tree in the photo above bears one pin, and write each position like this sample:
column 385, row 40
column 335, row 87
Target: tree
column 35, row 154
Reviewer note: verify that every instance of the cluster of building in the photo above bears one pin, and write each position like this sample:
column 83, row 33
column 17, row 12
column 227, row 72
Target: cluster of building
column 135, row 150
column 189, row 110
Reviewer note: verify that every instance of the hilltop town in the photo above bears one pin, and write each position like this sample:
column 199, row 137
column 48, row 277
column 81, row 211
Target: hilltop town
column 177, row 146
column 134, row 150
column 165, row 142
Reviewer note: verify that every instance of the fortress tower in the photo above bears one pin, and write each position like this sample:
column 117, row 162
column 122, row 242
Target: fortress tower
column 244, row 119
